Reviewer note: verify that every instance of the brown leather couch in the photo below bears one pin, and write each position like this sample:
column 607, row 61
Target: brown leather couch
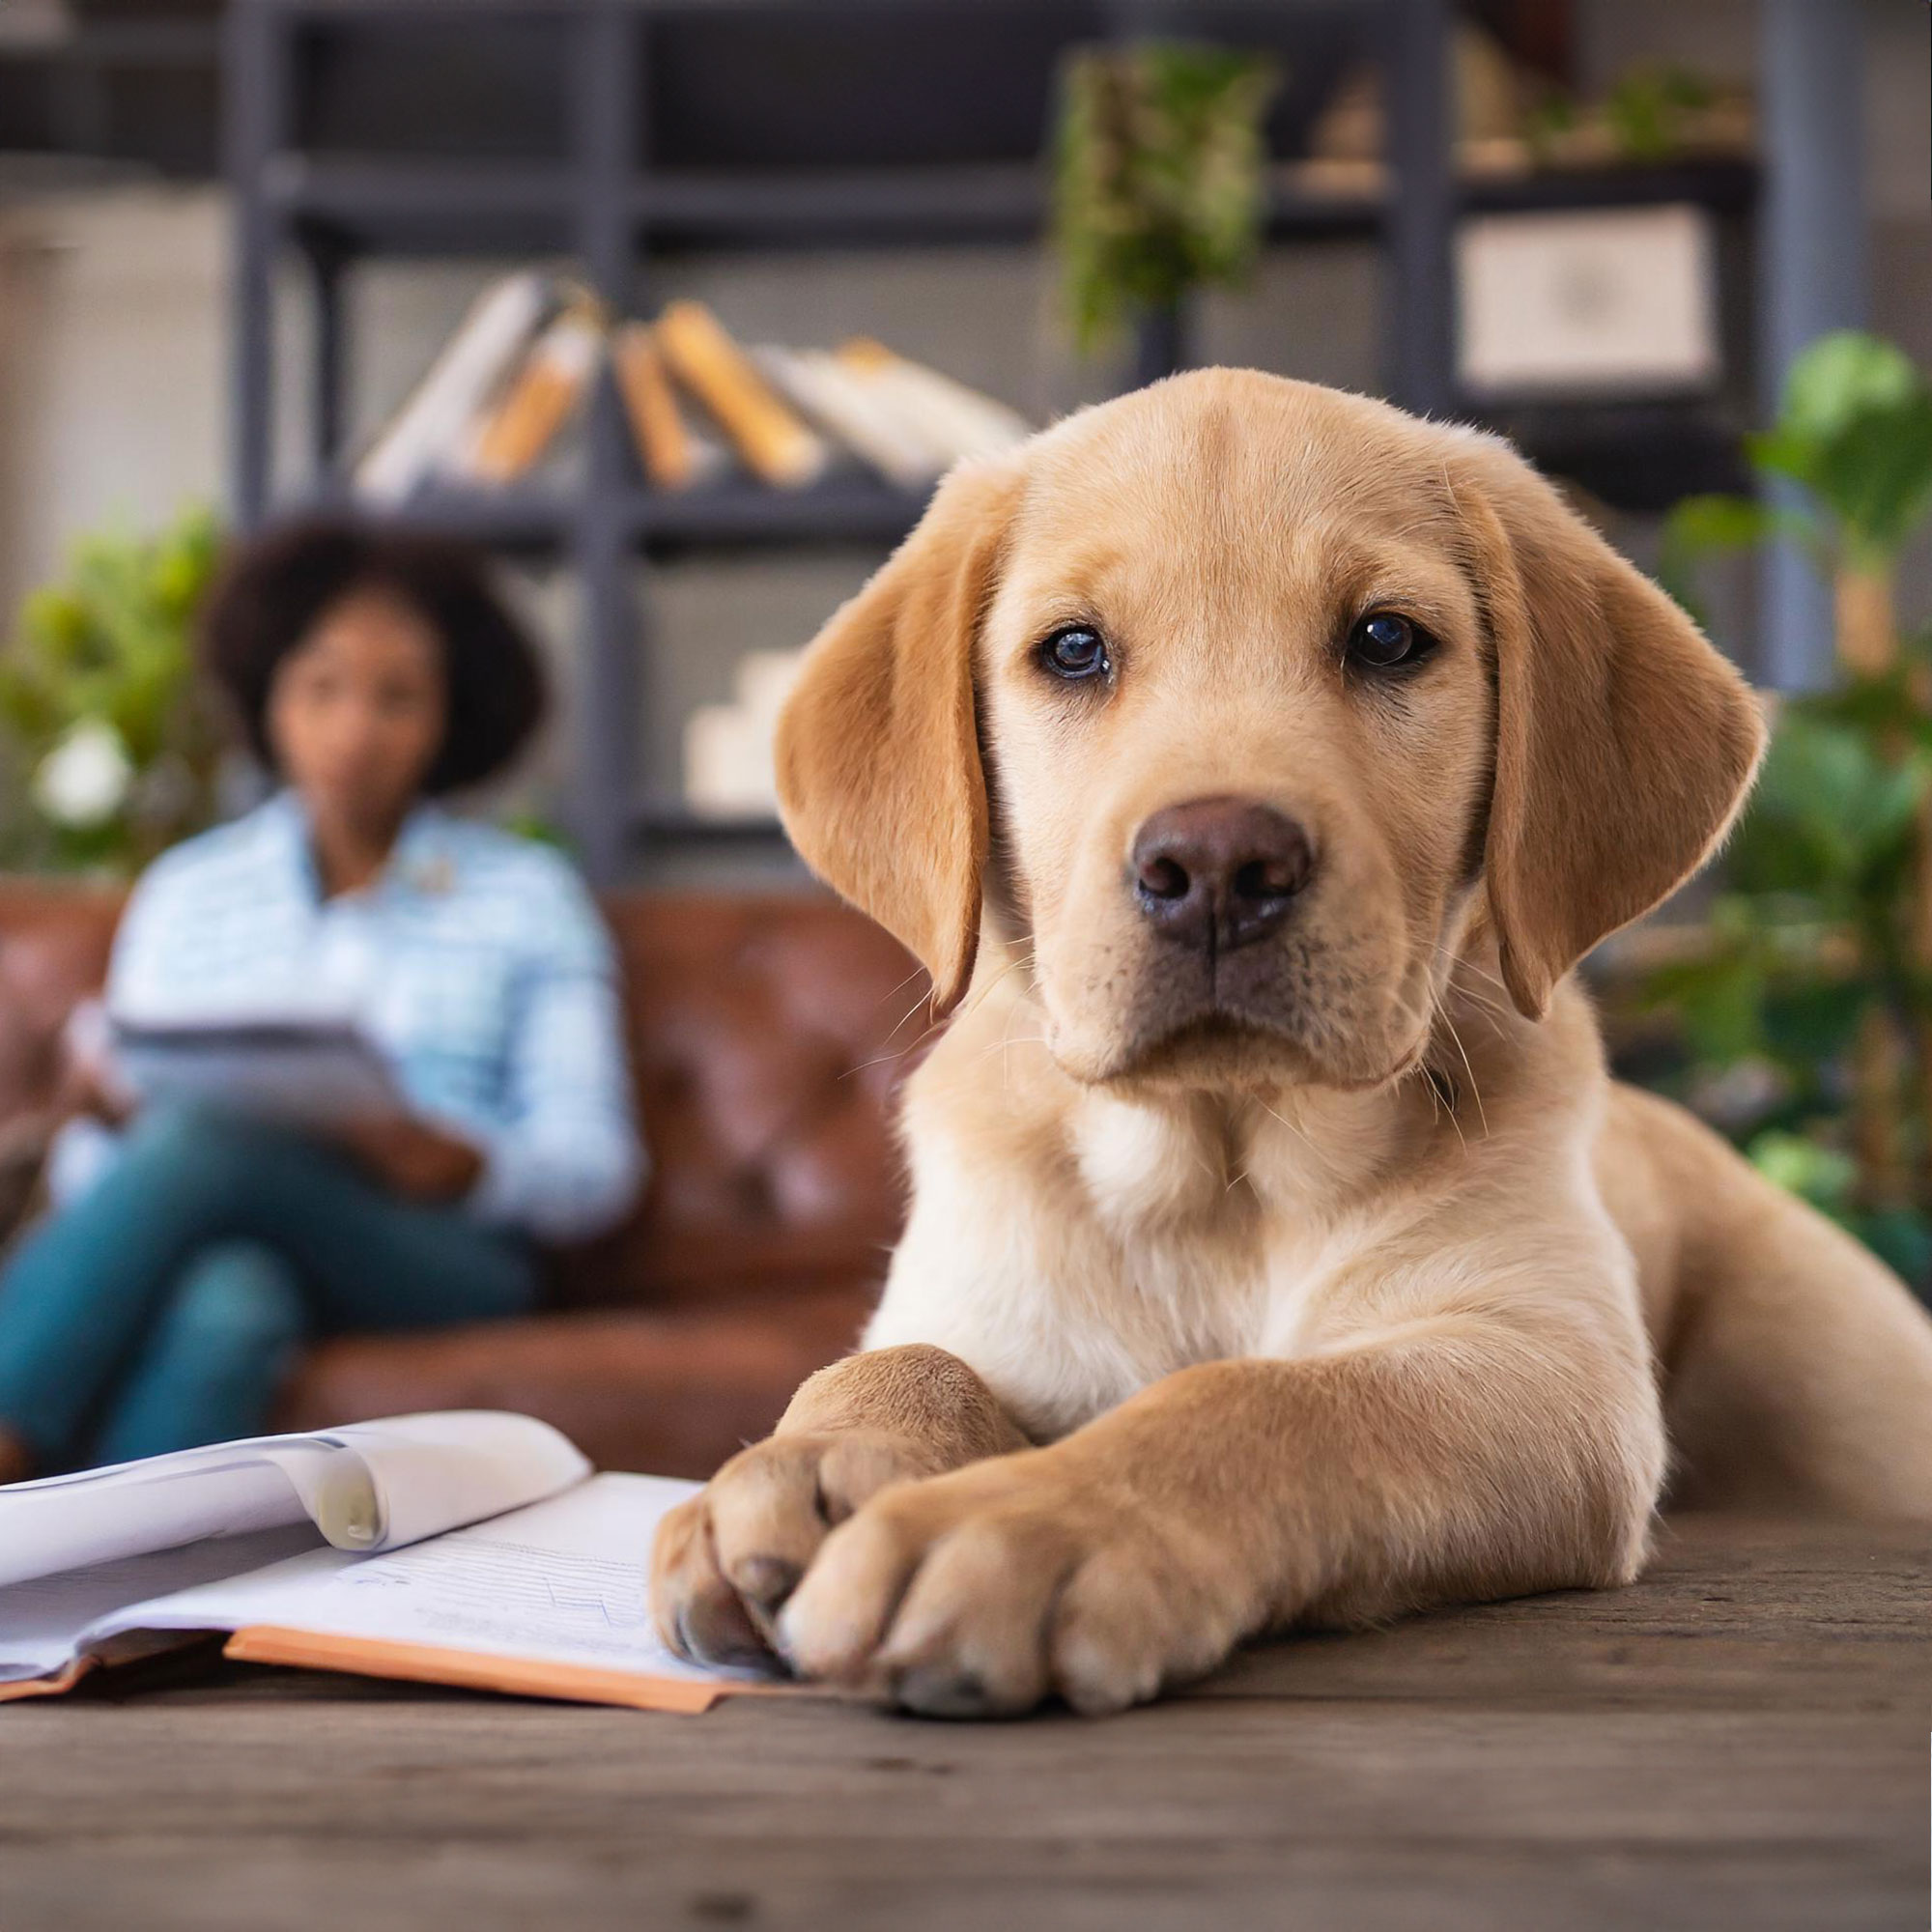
column 763, row 1037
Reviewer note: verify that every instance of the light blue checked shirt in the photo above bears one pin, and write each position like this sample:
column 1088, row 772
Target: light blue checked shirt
column 477, row 962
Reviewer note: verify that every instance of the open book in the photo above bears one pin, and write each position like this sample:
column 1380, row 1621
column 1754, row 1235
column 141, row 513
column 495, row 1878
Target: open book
column 470, row 1548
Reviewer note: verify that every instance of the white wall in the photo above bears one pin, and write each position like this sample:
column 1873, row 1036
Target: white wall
column 112, row 389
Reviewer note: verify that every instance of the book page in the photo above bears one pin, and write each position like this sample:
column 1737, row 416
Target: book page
column 367, row 1486
column 101, row 1516
column 430, row 1473
column 42, row 1621
column 559, row 1583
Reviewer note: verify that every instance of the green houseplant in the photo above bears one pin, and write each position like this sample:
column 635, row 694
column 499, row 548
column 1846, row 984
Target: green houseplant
column 1159, row 184
column 1811, row 1004
column 110, row 744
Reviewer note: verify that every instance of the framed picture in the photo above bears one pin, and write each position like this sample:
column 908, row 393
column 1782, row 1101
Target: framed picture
column 1590, row 304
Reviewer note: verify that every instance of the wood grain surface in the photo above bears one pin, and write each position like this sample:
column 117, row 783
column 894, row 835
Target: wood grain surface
column 1740, row 1740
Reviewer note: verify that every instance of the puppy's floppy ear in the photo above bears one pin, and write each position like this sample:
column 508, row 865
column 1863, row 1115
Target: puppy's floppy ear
column 879, row 779
column 1625, row 743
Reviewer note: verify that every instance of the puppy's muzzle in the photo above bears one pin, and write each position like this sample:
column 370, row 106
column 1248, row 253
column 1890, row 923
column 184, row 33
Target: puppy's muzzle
column 1217, row 874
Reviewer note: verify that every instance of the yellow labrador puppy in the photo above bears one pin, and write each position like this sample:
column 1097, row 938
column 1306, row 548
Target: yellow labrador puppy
column 1250, row 764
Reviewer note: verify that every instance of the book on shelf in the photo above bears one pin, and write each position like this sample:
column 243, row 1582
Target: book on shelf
column 673, row 451
column 768, row 435
column 469, row 1548
column 502, row 390
column 956, row 420
column 511, row 430
column 488, row 344
column 854, row 412
column 908, row 422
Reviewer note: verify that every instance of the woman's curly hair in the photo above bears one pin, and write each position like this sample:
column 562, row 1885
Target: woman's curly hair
column 275, row 589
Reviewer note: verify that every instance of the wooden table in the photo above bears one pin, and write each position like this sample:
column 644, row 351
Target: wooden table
column 1739, row 1740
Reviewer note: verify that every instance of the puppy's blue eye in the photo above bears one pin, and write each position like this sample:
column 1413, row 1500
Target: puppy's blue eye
column 1075, row 653
column 1383, row 640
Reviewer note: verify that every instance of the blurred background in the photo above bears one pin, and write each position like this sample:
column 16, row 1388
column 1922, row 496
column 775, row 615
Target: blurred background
column 678, row 308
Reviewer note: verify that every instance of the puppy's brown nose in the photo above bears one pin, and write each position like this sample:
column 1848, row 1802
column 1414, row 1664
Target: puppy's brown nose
column 1219, row 872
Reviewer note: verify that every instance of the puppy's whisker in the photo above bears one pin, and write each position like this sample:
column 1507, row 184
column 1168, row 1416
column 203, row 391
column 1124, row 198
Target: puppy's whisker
column 1491, row 1016
column 1006, row 1042
column 1475, row 1091
column 893, row 992
column 985, row 992
column 1003, row 1045
column 911, row 1046
column 1493, row 1011
column 1461, row 963
column 1470, row 966
column 877, row 1059
column 1418, row 1014
column 1478, row 998
column 919, row 1039
column 923, row 999
column 1307, row 1139
column 1437, row 1108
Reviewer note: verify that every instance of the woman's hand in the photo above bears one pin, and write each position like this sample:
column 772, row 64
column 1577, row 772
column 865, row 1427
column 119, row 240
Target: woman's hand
column 90, row 1088
column 412, row 1158
column 84, row 1093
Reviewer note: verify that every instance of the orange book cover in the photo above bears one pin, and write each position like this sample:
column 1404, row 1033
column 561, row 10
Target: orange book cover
column 474, row 1670
column 664, row 442
column 774, row 442
column 524, row 422
column 427, row 1663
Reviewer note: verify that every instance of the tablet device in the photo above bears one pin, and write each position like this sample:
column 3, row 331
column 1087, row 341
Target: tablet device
column 294, row 1071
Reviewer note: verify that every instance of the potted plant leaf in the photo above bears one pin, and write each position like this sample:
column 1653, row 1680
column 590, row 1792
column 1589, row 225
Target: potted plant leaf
column 1811, row 1004
column 110, row 747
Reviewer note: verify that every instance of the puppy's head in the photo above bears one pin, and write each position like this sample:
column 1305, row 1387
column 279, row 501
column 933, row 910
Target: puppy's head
column 1232, row 695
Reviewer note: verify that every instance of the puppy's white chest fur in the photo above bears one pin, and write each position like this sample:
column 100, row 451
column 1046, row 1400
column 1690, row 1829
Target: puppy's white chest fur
column 1142, row 1239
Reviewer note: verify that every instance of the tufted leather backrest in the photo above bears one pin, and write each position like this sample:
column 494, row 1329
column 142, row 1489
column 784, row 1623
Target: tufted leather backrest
column 767, row 1050
column 767, row 1044
column 53, row 953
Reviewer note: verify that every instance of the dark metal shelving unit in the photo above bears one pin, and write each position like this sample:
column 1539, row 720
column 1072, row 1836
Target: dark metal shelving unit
column 435, row 207
column 536, row 520
column 581, row 175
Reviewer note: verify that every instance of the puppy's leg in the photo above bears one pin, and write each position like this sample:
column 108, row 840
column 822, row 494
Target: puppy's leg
column 1453, row 1457
column 1797, row 1369
column 726, row 1561
column 1804, row 1375
column 1800, row 1369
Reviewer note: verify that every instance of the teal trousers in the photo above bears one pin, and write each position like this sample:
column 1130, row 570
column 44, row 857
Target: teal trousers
column 163, row 1307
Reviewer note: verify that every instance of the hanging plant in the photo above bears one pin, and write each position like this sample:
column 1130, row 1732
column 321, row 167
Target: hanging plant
column 1159, row 178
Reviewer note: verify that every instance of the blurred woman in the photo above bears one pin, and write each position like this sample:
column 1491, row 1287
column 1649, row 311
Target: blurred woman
column 161, row 1304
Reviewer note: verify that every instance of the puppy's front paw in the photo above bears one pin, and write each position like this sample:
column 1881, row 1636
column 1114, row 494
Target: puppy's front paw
column 726, row 1561
column 983, row 1592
